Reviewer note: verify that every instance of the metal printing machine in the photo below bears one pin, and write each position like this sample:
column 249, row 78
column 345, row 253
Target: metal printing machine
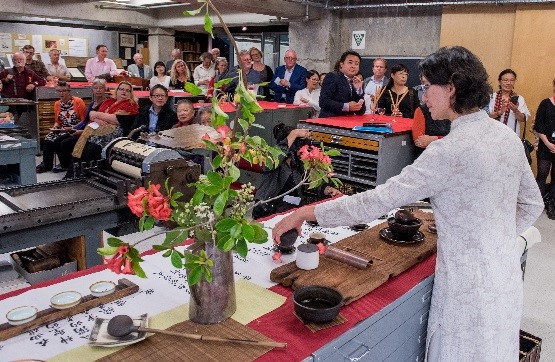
column 93, row 201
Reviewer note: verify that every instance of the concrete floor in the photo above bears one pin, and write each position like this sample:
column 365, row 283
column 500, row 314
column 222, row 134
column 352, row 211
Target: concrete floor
column 539, row 282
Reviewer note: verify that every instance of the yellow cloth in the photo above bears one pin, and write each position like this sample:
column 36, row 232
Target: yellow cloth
column 253, row 302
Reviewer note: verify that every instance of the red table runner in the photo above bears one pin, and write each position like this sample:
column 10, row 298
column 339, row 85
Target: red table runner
column 348, row 122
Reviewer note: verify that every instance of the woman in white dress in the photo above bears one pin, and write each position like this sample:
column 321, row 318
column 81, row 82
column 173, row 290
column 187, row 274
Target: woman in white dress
column 483, row 195
column 160, row 76
column 505, row 105
column 310, row 96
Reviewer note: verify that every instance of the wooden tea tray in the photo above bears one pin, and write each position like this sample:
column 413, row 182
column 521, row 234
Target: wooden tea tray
column 124, row 288
column 387, row 261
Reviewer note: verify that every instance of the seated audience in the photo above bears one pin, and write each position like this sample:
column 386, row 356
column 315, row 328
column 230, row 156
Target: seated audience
column 222, row 72
column 68, row 112
column 287, row 175
column 322, row 76
column 425, row 130
column 203, row 116
column 185, row 113
column 20, row 81
column 215, row 53
column 115, row 118
column 341, row 92
column 288, row 78
column 252, row 76
column 310, row 96
column 505, row 105
column 204, row 72
column 179, row 75
column 266, row 73
column 67, row 145
column 100, row 66
column 139, row 69
column 398, row 99
column 160, row 76
column 55, row 69
column 175, row 54
column 159, row 116
column 36, row 66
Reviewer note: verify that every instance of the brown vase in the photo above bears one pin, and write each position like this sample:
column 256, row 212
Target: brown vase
column 214, row 302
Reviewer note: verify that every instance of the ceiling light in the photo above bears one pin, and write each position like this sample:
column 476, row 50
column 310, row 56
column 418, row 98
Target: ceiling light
column 244, row 28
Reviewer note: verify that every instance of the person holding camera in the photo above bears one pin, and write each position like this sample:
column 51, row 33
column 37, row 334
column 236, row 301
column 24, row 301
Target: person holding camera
column 505, row 105
column 287, row 175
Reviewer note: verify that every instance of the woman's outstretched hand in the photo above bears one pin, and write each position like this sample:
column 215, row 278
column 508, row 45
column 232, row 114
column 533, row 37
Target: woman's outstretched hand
column 293, row 221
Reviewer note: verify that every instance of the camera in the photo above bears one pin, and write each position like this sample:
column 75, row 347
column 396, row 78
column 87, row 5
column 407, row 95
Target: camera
column 300, row 142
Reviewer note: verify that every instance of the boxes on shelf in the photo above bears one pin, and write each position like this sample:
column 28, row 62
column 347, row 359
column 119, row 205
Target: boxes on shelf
column 530, row 347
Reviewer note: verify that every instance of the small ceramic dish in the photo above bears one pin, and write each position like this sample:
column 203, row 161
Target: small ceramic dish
column 102, row 288
column 21, row 315
column 65, row 300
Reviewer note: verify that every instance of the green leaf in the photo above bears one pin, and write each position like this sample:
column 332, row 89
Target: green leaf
column 107, row 251
column 167, row 253
column 242, row 248
column 207, row 274
column 258, row 126
column 333, row 152
column 234, row 172
column 176, row 260
column 210, row 145
column 149, row 223
column 225, row 224
column 222, row 239
column 216, row 162
column 114, row 242
column 228, row 245
column 194, row 275
column 244, row 124
column 219, row 84
column 197, row 197
column 137, row 269
column 208, row 23
column 210, row 262
column 248, row 232
column 219, row 203
column 193, row 89
column 193, row 12
column 215, row 178
column 260, row 235
column 213, row 190
column 227, row 182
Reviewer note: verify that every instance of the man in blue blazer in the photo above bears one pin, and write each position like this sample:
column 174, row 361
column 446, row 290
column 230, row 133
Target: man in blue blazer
column 288, row 78
column 342, row 92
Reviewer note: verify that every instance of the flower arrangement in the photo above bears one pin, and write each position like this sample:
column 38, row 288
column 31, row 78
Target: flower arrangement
column 216, row 213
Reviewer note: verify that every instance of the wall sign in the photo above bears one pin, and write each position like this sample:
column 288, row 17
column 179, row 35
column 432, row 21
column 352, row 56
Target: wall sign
column 358, row 39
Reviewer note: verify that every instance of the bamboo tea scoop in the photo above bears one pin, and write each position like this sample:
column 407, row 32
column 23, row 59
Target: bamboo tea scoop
column 122, row 325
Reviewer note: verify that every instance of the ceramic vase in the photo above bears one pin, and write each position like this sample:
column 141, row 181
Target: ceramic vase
column 214, row 302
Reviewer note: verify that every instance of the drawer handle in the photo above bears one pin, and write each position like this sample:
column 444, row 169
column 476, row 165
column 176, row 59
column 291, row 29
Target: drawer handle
column 422, row 338
column 358, row 354
column 426, row 296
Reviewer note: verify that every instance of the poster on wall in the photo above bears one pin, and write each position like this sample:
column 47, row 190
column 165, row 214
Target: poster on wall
column 5, row 43
column 77, row 47
column 127, row 40
column 358, row 40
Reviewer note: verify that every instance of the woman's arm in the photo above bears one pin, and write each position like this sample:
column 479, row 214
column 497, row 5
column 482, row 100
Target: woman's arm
column 103, row 117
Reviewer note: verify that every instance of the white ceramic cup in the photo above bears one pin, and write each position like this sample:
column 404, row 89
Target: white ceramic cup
column 316, row 237
column 308, row 257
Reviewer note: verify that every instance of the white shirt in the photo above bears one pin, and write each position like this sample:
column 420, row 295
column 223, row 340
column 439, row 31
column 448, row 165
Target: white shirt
column 373, row 85
column 312, row 97
column 201, row 73
column 512, row 123
column 155, row 80
column 483, row 195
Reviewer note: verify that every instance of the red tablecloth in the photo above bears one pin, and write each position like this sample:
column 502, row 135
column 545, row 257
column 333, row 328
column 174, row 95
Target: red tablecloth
column 348, row 122
column 281, row 325
column 267, row 106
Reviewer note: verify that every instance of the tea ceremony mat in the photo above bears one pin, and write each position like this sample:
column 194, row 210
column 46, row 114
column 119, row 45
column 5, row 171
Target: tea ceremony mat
column 159, row 347
column 388, row 260
column 315, row 327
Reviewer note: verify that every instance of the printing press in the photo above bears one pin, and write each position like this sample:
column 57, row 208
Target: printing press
column 93, row 201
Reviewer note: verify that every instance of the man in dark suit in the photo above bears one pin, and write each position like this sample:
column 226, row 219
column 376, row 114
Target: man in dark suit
column 342, row 92
column 288, row 78
column 159, row 116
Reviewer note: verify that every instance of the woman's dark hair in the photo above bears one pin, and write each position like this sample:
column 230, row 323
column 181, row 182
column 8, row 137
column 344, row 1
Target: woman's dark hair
column 281, row 131
column 310, row 73
column 394, row 69
column 160, row 63
column 506, row 71
column 459, row 67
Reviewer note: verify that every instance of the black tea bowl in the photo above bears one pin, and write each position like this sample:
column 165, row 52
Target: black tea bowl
column 403, row 231
column 315, row 303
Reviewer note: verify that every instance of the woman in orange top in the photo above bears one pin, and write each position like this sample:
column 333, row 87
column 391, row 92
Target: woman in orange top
column 425, row 130
column 68, row 112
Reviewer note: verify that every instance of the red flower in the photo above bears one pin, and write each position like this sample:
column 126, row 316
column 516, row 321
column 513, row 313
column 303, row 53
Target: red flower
column 223, row 130
column 135, row 201
column 321, row 248
column 160, row 210
column 116, row 265
column 127, row 269
column 154, row 190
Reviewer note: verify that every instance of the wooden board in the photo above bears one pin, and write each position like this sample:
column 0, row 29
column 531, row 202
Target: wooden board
column 124, row 288
column 388, row 260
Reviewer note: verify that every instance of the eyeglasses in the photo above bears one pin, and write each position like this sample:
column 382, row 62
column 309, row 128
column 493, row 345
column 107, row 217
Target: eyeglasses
column 315, row 79
column 159, row 96
column 290, row 58
column 255, row 55
column 425, row 88
column 124, row 90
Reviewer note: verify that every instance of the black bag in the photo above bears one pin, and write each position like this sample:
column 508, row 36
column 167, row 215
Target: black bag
column 528, row 146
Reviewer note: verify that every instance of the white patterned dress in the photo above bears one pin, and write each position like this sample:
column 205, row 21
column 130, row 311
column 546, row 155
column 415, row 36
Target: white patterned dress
column 483, row 195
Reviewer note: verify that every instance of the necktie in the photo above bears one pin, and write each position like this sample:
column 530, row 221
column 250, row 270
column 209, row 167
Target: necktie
column 352, row 87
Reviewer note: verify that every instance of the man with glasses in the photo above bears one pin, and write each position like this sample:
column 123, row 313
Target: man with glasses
column 20, row 81
column 69, row 111
column 288, row 78
column 36, row 66
column 159, row 116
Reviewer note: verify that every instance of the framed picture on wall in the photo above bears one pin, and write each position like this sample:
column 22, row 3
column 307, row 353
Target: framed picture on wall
column 127, row 40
